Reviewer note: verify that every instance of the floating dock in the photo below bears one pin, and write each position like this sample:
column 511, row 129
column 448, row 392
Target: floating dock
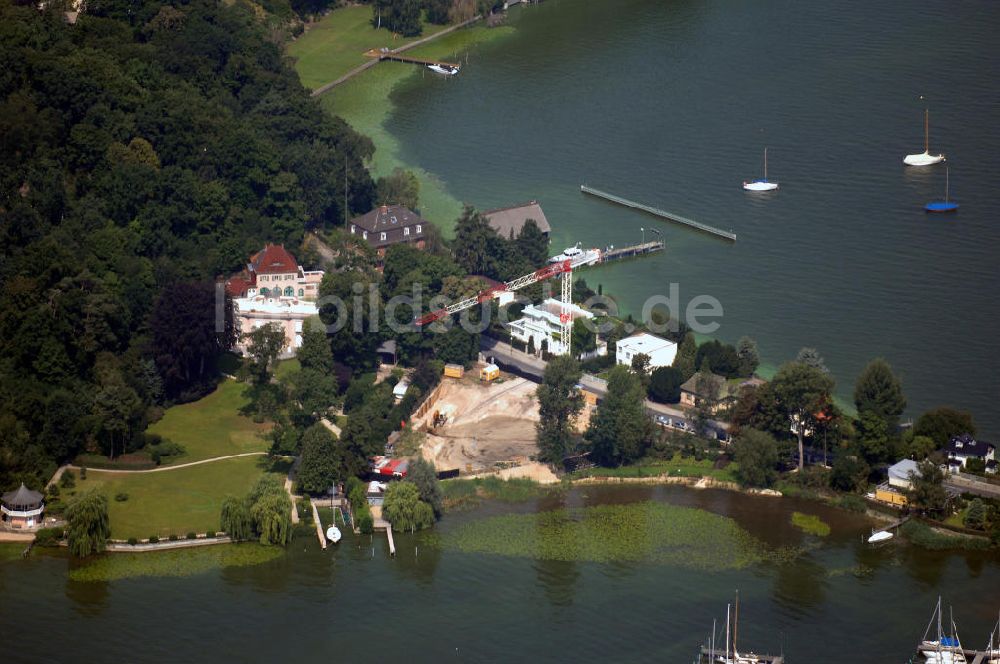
column 718, row 232
column 319, row 525
column 613, row 253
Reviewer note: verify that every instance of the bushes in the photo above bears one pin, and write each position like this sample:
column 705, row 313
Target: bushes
column 173, row 538
column 132, row 541
column 121, row 497
column 192, row 535
column 154, row 539
column 49, row 536
column 68, row 479
column 165, row 449
column 211, row 533
column 366, row 524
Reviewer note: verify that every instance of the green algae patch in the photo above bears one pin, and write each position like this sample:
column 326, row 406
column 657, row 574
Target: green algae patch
column 811, row 524
column 178, row 562
column 641, row 532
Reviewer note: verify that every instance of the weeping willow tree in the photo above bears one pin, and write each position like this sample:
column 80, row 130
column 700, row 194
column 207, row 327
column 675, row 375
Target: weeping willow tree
column 272, row 518
column 88, row 526
column 404, row 509
column 236, row 520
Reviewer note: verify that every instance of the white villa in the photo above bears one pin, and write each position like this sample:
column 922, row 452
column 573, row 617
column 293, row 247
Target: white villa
column 541, row 322
column 274, row 288
column 661, row 352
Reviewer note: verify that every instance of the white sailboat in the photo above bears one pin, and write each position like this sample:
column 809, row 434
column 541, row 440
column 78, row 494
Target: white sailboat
column 925, row 158
column 761, row 184
column 333, row 533
column 944, row 649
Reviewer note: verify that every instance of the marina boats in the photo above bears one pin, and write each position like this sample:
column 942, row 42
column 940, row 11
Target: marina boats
column 925, row 158
column 444, row 70
column 730, row 653
column 578, row 257
column 944, row 649
column 946, row 205
column 333, row 533
column 762, row 184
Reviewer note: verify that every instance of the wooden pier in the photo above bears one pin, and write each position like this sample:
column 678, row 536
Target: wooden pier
column 718, row 232
column 319, row 525
column 613, row 254
column 396, row 56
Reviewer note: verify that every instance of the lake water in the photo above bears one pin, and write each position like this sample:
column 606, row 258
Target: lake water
column 672, row 102
column 354, row 603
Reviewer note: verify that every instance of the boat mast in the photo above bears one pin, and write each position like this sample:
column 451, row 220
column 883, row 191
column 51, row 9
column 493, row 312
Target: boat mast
column 927, row 130
column 939, row 628
column 947, row 183
column 736, row 617
column 765, row 180
column 726, row 660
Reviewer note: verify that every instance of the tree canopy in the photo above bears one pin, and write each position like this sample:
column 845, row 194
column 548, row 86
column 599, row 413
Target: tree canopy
column 404, row 509
column 756, row 456
column 87, row 524
column 801, row 391
column 559, row 401
column 620, row 431
column 879, row 392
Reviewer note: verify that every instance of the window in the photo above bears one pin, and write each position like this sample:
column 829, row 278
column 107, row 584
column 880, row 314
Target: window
column 418, row 228
column 353, row 228
column 289, row 292
column 406, row 231
column 393, row 218
column 364, row 234
column 264, row 291
column 381, row 237
column 301, row 292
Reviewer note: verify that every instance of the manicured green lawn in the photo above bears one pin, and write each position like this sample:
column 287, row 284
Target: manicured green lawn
column 174, row 501
column 337, row 43
column 212, row 426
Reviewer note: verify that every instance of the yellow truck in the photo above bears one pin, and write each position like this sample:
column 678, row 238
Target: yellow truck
column 454, row 370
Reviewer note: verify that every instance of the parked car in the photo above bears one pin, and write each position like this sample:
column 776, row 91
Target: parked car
column 663, row 420
column 721, row 435
column 680, row 424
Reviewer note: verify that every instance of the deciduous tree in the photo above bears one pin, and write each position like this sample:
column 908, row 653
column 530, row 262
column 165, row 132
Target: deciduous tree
column 749, row 356
column 403, row 508
column 559, row 402
column 423, row 474
column 322, row 460
column 620, row 432
column 665, row 385
column 879, row 391
column 801, row 391
column 941, row 424
column 756, row 455
column 87, row 524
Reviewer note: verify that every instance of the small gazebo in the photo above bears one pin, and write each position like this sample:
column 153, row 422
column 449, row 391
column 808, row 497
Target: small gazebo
column 22, row 508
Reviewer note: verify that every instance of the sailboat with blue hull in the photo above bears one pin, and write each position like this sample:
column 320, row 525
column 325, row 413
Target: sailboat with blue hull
column 946, row 205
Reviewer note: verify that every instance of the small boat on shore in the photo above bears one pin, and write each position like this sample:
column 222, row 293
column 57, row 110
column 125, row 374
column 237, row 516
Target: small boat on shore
column 444, row 70
column 333, row 534
column 762, row 184
column 925, row 158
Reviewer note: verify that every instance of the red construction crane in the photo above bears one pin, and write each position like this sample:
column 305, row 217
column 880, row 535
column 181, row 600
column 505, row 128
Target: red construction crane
column 563, row 268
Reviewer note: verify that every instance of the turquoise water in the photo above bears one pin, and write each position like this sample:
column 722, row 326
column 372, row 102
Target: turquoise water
column 672, row 103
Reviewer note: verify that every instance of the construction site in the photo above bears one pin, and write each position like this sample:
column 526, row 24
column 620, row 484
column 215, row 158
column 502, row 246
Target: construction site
column 480, row 425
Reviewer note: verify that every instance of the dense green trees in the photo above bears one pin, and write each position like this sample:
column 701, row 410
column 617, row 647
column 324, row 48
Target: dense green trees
column 665, row 385
column 926, row 492
column 559, row 402
column 322, row 460
column 401, row 16
column 235, row 520
column 87, row 525
column 801, row 391
column 423, row 475
column 404, row 509
column 532, row 244
column 756, row 455
column 749, row 356
column 879, row 392
column 399, row 188
column 620, row 431
column 264, row 514
column 144, row 152
column 941, row 424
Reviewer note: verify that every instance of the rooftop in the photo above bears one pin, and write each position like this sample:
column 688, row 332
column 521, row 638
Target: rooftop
column 902, row 470
column 386, row 218
column 966, row 445
column 645, row 343
column 269, row 305
column 23, row 497
column 691, row 385
column 554, row 307
column 273, row 259
column 510, row 220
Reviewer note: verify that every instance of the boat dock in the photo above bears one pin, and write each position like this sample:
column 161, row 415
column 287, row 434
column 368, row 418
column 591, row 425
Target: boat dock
column 319, row 525
column 709, row 655
column 718, row 232
column 396, row 56
column 617, row 253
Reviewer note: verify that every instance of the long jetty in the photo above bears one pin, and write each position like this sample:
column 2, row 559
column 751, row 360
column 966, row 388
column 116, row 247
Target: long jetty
column 718, row 232
column 398, row 57
column 319, row 525
column 618, row 253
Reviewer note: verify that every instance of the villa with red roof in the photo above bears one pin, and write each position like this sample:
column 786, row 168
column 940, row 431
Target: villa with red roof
column 274, row 288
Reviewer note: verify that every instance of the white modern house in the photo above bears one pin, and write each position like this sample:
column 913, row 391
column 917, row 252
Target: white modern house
column 541, row 323
column 661, row 352
column 289, row 314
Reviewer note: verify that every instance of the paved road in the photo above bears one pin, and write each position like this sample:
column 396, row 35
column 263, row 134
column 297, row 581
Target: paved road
column 965, row 484
column 533, row 369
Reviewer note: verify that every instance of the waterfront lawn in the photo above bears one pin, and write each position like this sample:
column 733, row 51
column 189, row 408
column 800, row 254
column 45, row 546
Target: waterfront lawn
column 679, row 466
column 212, row 426
column 337, row 43
column 173, row 502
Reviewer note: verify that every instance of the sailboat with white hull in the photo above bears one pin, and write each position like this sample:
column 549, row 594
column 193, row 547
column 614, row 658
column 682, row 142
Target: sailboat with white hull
column 944, row 649
column 925, row 158
column 761, row 184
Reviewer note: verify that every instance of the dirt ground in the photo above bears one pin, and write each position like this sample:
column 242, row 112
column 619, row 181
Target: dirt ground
column 487, row 423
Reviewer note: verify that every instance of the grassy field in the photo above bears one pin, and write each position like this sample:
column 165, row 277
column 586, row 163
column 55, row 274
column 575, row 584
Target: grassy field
column 176, row 501
column 337, row 43
column 212, row 426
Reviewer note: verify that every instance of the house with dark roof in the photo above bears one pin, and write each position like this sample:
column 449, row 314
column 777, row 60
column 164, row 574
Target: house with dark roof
column 509, row 221
column 388, row 225
column 716, row 391
column 22, row 508
column 963, row 448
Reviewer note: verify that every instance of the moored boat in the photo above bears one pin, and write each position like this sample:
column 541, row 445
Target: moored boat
column 577, row 257
column 444, row 70
column 925, row 158
column 761, row 184
column 333, row 534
